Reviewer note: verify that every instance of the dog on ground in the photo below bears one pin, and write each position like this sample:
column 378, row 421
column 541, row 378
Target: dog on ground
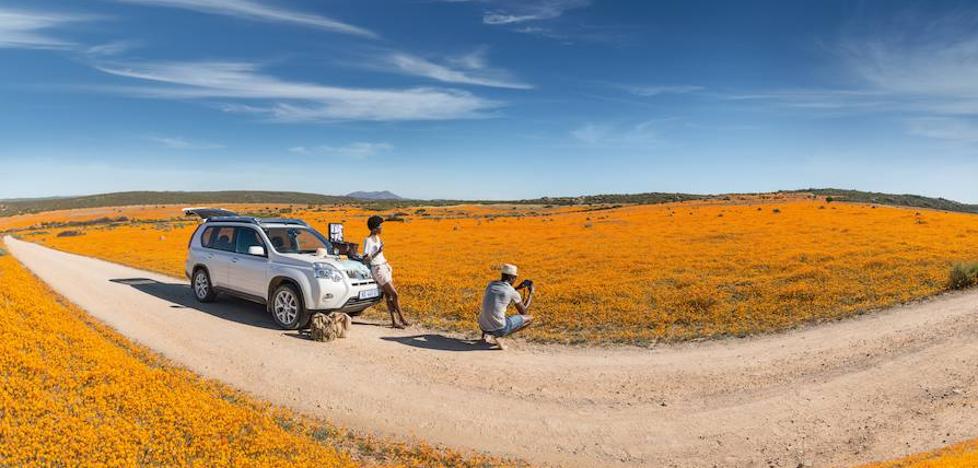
column 328, row 327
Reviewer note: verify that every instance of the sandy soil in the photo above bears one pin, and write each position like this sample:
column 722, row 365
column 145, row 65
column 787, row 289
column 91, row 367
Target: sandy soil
column 879, row 386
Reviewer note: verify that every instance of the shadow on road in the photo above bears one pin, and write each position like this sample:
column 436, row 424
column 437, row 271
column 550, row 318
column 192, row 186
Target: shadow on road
column 441, row 342
column 226, row 307
column 372, row 323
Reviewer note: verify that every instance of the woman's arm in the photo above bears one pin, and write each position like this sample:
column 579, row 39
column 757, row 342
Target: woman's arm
column 371, row 249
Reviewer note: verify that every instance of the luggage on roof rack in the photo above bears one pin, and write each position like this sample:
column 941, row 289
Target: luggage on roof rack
column 207, row 213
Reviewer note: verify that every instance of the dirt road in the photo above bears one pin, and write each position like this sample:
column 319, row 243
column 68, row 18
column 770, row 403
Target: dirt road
column 879, row 386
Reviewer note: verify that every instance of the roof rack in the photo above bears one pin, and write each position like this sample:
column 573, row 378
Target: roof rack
column 253, row 220
column 282, row 221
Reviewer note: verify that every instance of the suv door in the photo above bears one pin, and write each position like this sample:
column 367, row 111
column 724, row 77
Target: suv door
column 248, row 273
column 218, row 243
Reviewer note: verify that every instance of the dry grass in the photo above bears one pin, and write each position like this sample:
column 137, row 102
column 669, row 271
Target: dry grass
column 634, row 273
column 964, row 275
column 74, row 392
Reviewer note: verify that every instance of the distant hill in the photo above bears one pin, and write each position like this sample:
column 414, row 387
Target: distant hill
column 34, row 205
column 381, row 195
column 386, row 200
column 649, row 198
column 915, row 201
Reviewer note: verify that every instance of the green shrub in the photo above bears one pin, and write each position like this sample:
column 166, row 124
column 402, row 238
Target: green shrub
column 964, row 275
column 70, row 233
column 3, row 252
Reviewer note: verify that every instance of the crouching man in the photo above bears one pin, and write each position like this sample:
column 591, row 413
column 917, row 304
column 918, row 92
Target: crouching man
column 499, row 295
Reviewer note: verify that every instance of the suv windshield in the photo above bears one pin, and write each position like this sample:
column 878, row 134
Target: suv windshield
column 296, row 240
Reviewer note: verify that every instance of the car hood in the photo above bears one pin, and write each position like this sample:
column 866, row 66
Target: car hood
column 353, row 269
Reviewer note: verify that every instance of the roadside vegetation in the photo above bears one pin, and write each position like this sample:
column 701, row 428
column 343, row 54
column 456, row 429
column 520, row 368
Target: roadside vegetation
column 621, row 273
column 74, row 391
column 964, row 275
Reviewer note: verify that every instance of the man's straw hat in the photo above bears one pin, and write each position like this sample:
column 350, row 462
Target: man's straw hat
column 510, row 269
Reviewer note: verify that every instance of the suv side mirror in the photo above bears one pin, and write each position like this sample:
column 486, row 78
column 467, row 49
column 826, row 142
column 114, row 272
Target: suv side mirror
column 256, row 250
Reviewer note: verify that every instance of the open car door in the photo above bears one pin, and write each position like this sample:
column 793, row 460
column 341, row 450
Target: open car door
column 205, row 213
column 340, row 246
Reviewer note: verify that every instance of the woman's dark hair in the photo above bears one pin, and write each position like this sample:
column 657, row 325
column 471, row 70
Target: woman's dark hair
column 374, row 222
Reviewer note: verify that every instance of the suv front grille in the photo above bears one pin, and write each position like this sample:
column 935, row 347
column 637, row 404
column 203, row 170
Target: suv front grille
column 354, row 301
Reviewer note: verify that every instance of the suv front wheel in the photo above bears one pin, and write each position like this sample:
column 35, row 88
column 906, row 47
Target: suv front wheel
column 203, row 289
column 288, row 310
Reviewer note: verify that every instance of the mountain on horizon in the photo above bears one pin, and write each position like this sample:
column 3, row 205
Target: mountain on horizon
column 377, row 195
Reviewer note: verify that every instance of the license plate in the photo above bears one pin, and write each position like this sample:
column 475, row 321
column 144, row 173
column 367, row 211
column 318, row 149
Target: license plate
column 369, row 294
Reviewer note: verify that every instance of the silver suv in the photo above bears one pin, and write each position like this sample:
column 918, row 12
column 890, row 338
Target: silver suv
column 283, row 263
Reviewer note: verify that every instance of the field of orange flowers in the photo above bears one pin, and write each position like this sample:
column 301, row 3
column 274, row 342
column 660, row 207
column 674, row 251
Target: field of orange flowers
column 963, row 455
column 73, row 391
column 629, row 274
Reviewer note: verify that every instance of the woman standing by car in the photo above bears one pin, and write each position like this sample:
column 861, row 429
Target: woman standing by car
column 373, row 256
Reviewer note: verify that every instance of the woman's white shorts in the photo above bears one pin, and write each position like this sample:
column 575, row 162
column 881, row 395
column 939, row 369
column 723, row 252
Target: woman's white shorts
column 381, row 274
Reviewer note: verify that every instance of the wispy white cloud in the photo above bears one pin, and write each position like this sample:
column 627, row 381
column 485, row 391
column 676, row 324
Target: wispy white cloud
column 471, row 69
column 918, row 67
column 531, row 10
column 920, row 56
column 570, row 34
column 261, row 12
column 181, row 143
column 591, row 133
column 655, row 90
column 540, row 18
column 818, row 99
column 924, row 67
column 29, row 29
column 110, row 48
column 945, row 128
column 549, row 33
column 618, row 135
column 508, row 18
column 357, row 150
column 477, row 59
column 292, row 101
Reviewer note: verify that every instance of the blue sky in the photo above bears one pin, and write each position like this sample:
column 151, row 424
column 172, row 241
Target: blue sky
column 488, row 98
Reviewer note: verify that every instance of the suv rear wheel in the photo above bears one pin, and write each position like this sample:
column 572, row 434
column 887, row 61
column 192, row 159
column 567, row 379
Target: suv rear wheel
column 203, row 289
column 288, row 310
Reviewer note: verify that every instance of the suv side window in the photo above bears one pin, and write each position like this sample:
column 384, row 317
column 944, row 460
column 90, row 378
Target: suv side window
column 207, row 236
column 218, row 237
column 247, row 237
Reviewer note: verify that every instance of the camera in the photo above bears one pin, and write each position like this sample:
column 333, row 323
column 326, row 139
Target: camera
column 525, row 284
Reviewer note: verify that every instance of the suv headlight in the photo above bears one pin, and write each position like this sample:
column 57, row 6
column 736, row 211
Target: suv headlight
column 327, row 271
